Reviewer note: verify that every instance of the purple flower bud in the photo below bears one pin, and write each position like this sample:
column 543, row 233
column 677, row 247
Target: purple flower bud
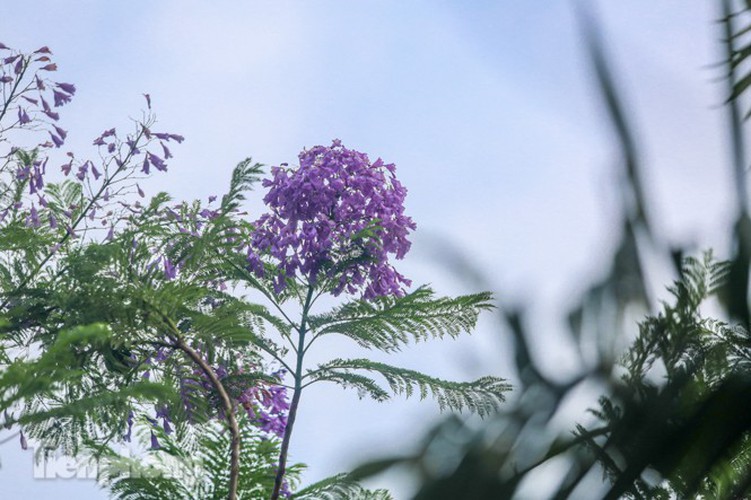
column 43, row 50
column 97, row 173
column 148, row 100
column 167, row 153
column 19, row 67
column 140, row 191
column 24, row 444
column 6, row 79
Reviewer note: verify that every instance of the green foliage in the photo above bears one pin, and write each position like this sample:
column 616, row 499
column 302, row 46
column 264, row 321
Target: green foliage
column 340, row 487
column 390, row 322
column 195, row 469
column 482, row 396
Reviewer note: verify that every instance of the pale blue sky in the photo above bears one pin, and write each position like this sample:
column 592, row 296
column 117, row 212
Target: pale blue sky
column 486, row 107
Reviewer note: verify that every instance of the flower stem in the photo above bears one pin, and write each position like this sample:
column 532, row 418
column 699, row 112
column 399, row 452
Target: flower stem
column 282, row 468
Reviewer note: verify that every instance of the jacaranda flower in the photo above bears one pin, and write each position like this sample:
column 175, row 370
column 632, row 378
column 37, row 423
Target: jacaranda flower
column 338, row 217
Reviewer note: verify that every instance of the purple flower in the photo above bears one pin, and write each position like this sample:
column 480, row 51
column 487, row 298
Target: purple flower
column 157, row 162
column 61, row 98
column 167, row 153
column 68, row 88
column 39, row 82
column 23, row 117
column 169, row 270
column 62, row 133
column 154, row 442
column 82, row 171
column 148, row 100
column 24, row 444
column 66, row 168
column 339, row 215
column 19, row 67
column 127, row 435
column 6, row 79
column 140, row 191
column 58, row 142
column 97, row 173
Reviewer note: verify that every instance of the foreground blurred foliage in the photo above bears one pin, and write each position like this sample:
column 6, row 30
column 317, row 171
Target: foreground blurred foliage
column 673, row 419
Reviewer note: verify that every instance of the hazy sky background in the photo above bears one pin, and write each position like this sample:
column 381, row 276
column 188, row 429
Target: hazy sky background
column 486, row 107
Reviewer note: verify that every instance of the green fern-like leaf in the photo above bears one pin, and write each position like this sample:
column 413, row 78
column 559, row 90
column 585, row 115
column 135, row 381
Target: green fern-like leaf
column 391, row 322
column 482, row 396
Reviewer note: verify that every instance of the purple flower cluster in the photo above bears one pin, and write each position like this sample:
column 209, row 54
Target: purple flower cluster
column 266, row 404
column 31, row 99
column 267, row 407
column 29, row 93
column 338, row 217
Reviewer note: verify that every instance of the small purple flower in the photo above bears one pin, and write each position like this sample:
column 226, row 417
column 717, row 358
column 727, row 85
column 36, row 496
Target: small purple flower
column 154, row 442
column 167, row 153
column 82, row 171
column 148, row 100
column 33, row 219
column 58, row 142
column 6, row 79
column 157, row 162
column 140, row 191
column 61, row 98
column 62, row 133
column 23, row 117
column 169, row 270
column 127, row 435
column 39, row 82
column 68, row 88
column 24, row 443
